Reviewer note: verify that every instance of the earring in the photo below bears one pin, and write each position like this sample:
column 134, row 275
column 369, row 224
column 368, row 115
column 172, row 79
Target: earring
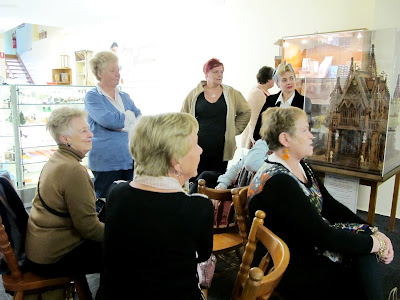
column 68, row 144
column 286, row 155
column 178, row 174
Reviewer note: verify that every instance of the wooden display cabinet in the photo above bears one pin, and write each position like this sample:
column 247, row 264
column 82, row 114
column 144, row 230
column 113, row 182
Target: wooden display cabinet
column 352, row 80
column 321, row 58
column 62, row 76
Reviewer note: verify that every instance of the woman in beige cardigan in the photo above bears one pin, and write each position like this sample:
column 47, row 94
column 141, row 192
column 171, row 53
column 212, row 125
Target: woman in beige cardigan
column 256, row 100
column 222, row 113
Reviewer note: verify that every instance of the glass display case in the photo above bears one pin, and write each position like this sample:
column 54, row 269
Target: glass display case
column 352, row 79
column 25, row 145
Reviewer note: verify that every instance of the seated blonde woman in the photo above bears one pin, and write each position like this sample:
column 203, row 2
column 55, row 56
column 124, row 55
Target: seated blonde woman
column 170, row 231
column 64, row 234
column 333, row 252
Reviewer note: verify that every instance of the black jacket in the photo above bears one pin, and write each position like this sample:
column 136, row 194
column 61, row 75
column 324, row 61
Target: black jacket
column 298, row 101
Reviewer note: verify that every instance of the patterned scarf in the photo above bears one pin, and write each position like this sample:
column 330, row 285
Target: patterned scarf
column 266, row 172
column 313, row 193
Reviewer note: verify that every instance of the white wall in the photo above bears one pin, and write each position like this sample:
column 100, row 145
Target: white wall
column 2, row 60
column 164, row 44
column 240, row 33
column 385, row 16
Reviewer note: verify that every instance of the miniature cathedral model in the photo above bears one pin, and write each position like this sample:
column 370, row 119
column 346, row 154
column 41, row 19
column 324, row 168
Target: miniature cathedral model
column 357, row 118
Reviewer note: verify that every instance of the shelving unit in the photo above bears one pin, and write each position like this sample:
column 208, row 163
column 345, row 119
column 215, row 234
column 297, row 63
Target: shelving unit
column 318, row 59
column 62, row 76
column 84, row 75
column 25, row 145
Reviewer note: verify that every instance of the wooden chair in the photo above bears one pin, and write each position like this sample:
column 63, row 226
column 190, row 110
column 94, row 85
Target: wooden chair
column 22, row 284
column 253, row 283
column 226, row 237
column 239, row 198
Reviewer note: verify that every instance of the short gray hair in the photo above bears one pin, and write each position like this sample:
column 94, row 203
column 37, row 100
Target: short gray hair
column 100, row 60
column 157, row 140
column 282, row 69
column 60, row 120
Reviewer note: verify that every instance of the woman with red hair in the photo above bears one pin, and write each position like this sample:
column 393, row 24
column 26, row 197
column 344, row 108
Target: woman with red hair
column 222, row 113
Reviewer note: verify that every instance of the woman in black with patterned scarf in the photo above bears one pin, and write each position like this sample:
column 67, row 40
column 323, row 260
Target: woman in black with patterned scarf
column 334, row 253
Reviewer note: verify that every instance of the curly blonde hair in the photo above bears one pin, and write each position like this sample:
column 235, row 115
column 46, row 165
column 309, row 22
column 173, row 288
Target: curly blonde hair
column 100, row 60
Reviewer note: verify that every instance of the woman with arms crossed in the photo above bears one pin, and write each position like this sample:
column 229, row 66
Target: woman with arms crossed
column 111, row 114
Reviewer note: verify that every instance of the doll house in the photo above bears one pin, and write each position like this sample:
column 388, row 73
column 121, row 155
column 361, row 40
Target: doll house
column 357, row 118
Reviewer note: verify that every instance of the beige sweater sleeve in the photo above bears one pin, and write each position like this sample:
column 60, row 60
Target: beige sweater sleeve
column 243, row 113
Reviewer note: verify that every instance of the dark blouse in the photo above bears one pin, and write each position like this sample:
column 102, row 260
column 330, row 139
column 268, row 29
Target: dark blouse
column 293, row 212
column 299, row 101
column 151, row 240
column 212, row 125
column 298, row 213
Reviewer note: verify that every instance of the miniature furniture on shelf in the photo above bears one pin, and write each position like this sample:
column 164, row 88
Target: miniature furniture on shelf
column 350, row 77
column 62, row 76
column 23, row 283
column 260, row 282
column 226, row 236
column 239, row 198
column 370, row 180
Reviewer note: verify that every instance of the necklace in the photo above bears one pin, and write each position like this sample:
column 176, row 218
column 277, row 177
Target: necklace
column 213, row 95
column 162, row 182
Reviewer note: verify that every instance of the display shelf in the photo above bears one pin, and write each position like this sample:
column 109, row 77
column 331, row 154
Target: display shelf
column 84, row 75
column 62, row 76
column 353, row 81
column 27, row 146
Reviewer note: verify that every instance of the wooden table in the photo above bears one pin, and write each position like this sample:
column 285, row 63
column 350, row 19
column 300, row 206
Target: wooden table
column 370, row 180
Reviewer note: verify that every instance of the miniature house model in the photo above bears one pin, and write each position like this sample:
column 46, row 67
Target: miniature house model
column 357, row 119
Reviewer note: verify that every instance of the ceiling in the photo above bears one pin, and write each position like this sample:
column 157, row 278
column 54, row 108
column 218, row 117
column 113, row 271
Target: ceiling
column 51, row 13
column 76, row 13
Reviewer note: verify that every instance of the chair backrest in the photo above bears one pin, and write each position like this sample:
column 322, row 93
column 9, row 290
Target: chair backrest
column 224, row 213
column 259, row 282
column 239, row 198
column 8, row 253
column 14, row 218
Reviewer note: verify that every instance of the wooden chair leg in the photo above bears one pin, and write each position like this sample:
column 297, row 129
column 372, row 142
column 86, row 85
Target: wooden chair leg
column 205, row 292
column 19, row 295
column 82, row 288
column 239, row 255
